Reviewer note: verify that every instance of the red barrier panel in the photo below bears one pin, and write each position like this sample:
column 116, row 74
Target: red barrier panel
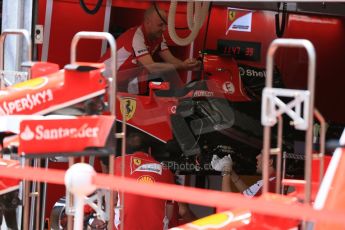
column 186, row 194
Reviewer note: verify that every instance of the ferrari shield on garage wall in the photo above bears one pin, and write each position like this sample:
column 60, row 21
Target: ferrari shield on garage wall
column 238, row 20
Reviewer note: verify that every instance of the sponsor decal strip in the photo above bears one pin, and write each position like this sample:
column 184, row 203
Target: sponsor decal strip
column 73, row 135
column 28, row 102
column 31, row 100
column 143, row 165
column 71, row 102
column 203, row 93
column 42, row 133
column 153, row 168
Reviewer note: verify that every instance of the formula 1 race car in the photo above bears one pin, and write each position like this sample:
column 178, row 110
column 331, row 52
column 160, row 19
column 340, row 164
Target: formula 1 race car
column 215, row 114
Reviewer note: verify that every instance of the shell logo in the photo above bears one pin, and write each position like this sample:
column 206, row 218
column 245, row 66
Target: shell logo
column 146, row 179
column 34, row 83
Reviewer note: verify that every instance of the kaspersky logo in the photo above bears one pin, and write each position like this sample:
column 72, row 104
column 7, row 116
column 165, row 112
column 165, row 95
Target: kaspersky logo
column 41, row 133
column 27, row 102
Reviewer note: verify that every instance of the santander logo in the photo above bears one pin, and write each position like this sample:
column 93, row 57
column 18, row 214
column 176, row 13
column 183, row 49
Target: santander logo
column 42, row 133
column 27, row 135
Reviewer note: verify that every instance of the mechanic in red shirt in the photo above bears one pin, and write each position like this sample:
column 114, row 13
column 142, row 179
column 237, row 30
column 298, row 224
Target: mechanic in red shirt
column 135, row 50
column 142, row 212
column 228, row 174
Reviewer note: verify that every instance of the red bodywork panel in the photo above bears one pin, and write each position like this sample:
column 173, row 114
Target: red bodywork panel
column 73, row 135
column 150, row 114
column 331, row 195
column 53, row 91
column 224, row 77
column 40, row 69
column 244, row 219
column 299, row 185
column 224, row 220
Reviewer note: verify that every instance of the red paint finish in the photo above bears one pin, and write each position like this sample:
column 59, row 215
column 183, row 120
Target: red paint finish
column 224, row 80
column 68, row 18
column 73, row 135
column 334, row 194
column 327, row 35
column 142, row 115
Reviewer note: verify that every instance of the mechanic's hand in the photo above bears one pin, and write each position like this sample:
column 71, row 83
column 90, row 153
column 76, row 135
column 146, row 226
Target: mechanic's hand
column 222, row 164
column 191, row 64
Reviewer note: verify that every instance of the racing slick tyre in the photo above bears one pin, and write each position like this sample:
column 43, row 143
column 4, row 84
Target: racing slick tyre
column 58, row 218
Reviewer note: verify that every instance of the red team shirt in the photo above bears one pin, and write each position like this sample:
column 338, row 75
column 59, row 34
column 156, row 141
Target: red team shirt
column 140, row 212
column 131, row 45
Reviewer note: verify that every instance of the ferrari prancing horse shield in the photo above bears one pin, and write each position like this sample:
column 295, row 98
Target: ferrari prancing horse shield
column 231, row 15
column 127, row 107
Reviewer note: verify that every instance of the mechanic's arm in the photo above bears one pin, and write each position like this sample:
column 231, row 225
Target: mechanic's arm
column 226, row 184
column 224, row 165
column 188, row 64
column 155, row 67
column 238, row 182
column 185, row 212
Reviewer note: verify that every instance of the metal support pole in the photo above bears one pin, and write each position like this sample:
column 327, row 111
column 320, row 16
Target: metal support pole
column 44, row 197
column 26, row 200
column 106, row 24
column 123, row 169
column 283, row 172
column 46, row 32
column 34, row 199
column 322, row 140
column 111, row 95
column 279, row 154
column 269, row 108
column 69, row 201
